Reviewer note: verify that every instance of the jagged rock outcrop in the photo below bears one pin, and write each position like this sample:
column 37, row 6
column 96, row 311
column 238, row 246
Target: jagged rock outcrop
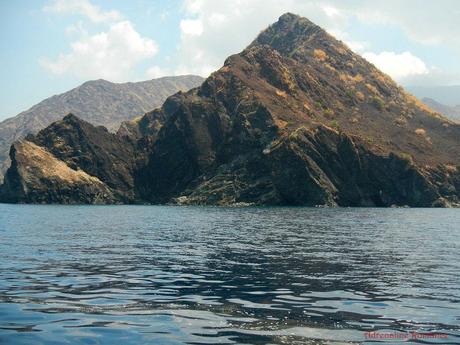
column 94, row 150
column 37, row 176
column 99, row 102
column 295, row 119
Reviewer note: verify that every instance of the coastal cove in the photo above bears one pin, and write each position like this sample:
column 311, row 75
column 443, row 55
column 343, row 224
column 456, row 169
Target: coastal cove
column 207, row 275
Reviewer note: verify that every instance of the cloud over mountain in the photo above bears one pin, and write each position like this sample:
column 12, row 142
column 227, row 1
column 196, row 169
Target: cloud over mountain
column 109, row 55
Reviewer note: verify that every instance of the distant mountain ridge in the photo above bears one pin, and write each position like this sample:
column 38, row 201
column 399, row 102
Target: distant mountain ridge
column 444, row 94
column 99, row 102
column 452, row 112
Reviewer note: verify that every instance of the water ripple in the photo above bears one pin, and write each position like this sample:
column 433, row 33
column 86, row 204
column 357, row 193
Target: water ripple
column 191, row 275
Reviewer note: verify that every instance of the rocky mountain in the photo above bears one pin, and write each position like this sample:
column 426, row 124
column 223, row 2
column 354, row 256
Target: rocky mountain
column 296, row 118
column 452, row 112
column 99, row 101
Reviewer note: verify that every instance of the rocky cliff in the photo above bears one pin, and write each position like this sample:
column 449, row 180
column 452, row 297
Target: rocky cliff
column 294, row 119
column 37, row 176
column 71, row 161
column 98, row 101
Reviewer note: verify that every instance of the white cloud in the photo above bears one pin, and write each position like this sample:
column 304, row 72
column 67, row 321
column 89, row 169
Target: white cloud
column 77, row 28
column 192, row 27
column 194, row 6
column 436, row 76
column 157, row 72
column 84, row 8
column 217, row 19
column 427, row 22
column 331, row 11
column 356, row 46
column 399, row 66
column 109, row 55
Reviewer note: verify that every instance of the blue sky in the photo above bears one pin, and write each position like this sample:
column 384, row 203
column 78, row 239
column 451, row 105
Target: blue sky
column 51, row 46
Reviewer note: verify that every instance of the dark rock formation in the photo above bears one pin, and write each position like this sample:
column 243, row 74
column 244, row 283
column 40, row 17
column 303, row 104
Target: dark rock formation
column 295, row 119
column 99, row 102
column 94, row 150
column 36, row 176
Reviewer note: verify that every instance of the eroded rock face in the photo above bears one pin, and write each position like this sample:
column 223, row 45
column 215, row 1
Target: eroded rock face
column 94, row 150
column 295, row 119
column 37, row 176
column 321, row 166
column 326, row 167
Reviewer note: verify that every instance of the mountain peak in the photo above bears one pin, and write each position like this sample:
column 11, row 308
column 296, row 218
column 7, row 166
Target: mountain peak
column 72, row 120
column 70, row 117
column 289, row 17
column 289, row 33
column 95, row 83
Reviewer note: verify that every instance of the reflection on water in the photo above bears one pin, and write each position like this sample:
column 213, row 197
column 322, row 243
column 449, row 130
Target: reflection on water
column 191, row 275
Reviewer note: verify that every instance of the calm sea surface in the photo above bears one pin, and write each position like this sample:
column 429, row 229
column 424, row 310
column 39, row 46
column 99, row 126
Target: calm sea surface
column 204, row 275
